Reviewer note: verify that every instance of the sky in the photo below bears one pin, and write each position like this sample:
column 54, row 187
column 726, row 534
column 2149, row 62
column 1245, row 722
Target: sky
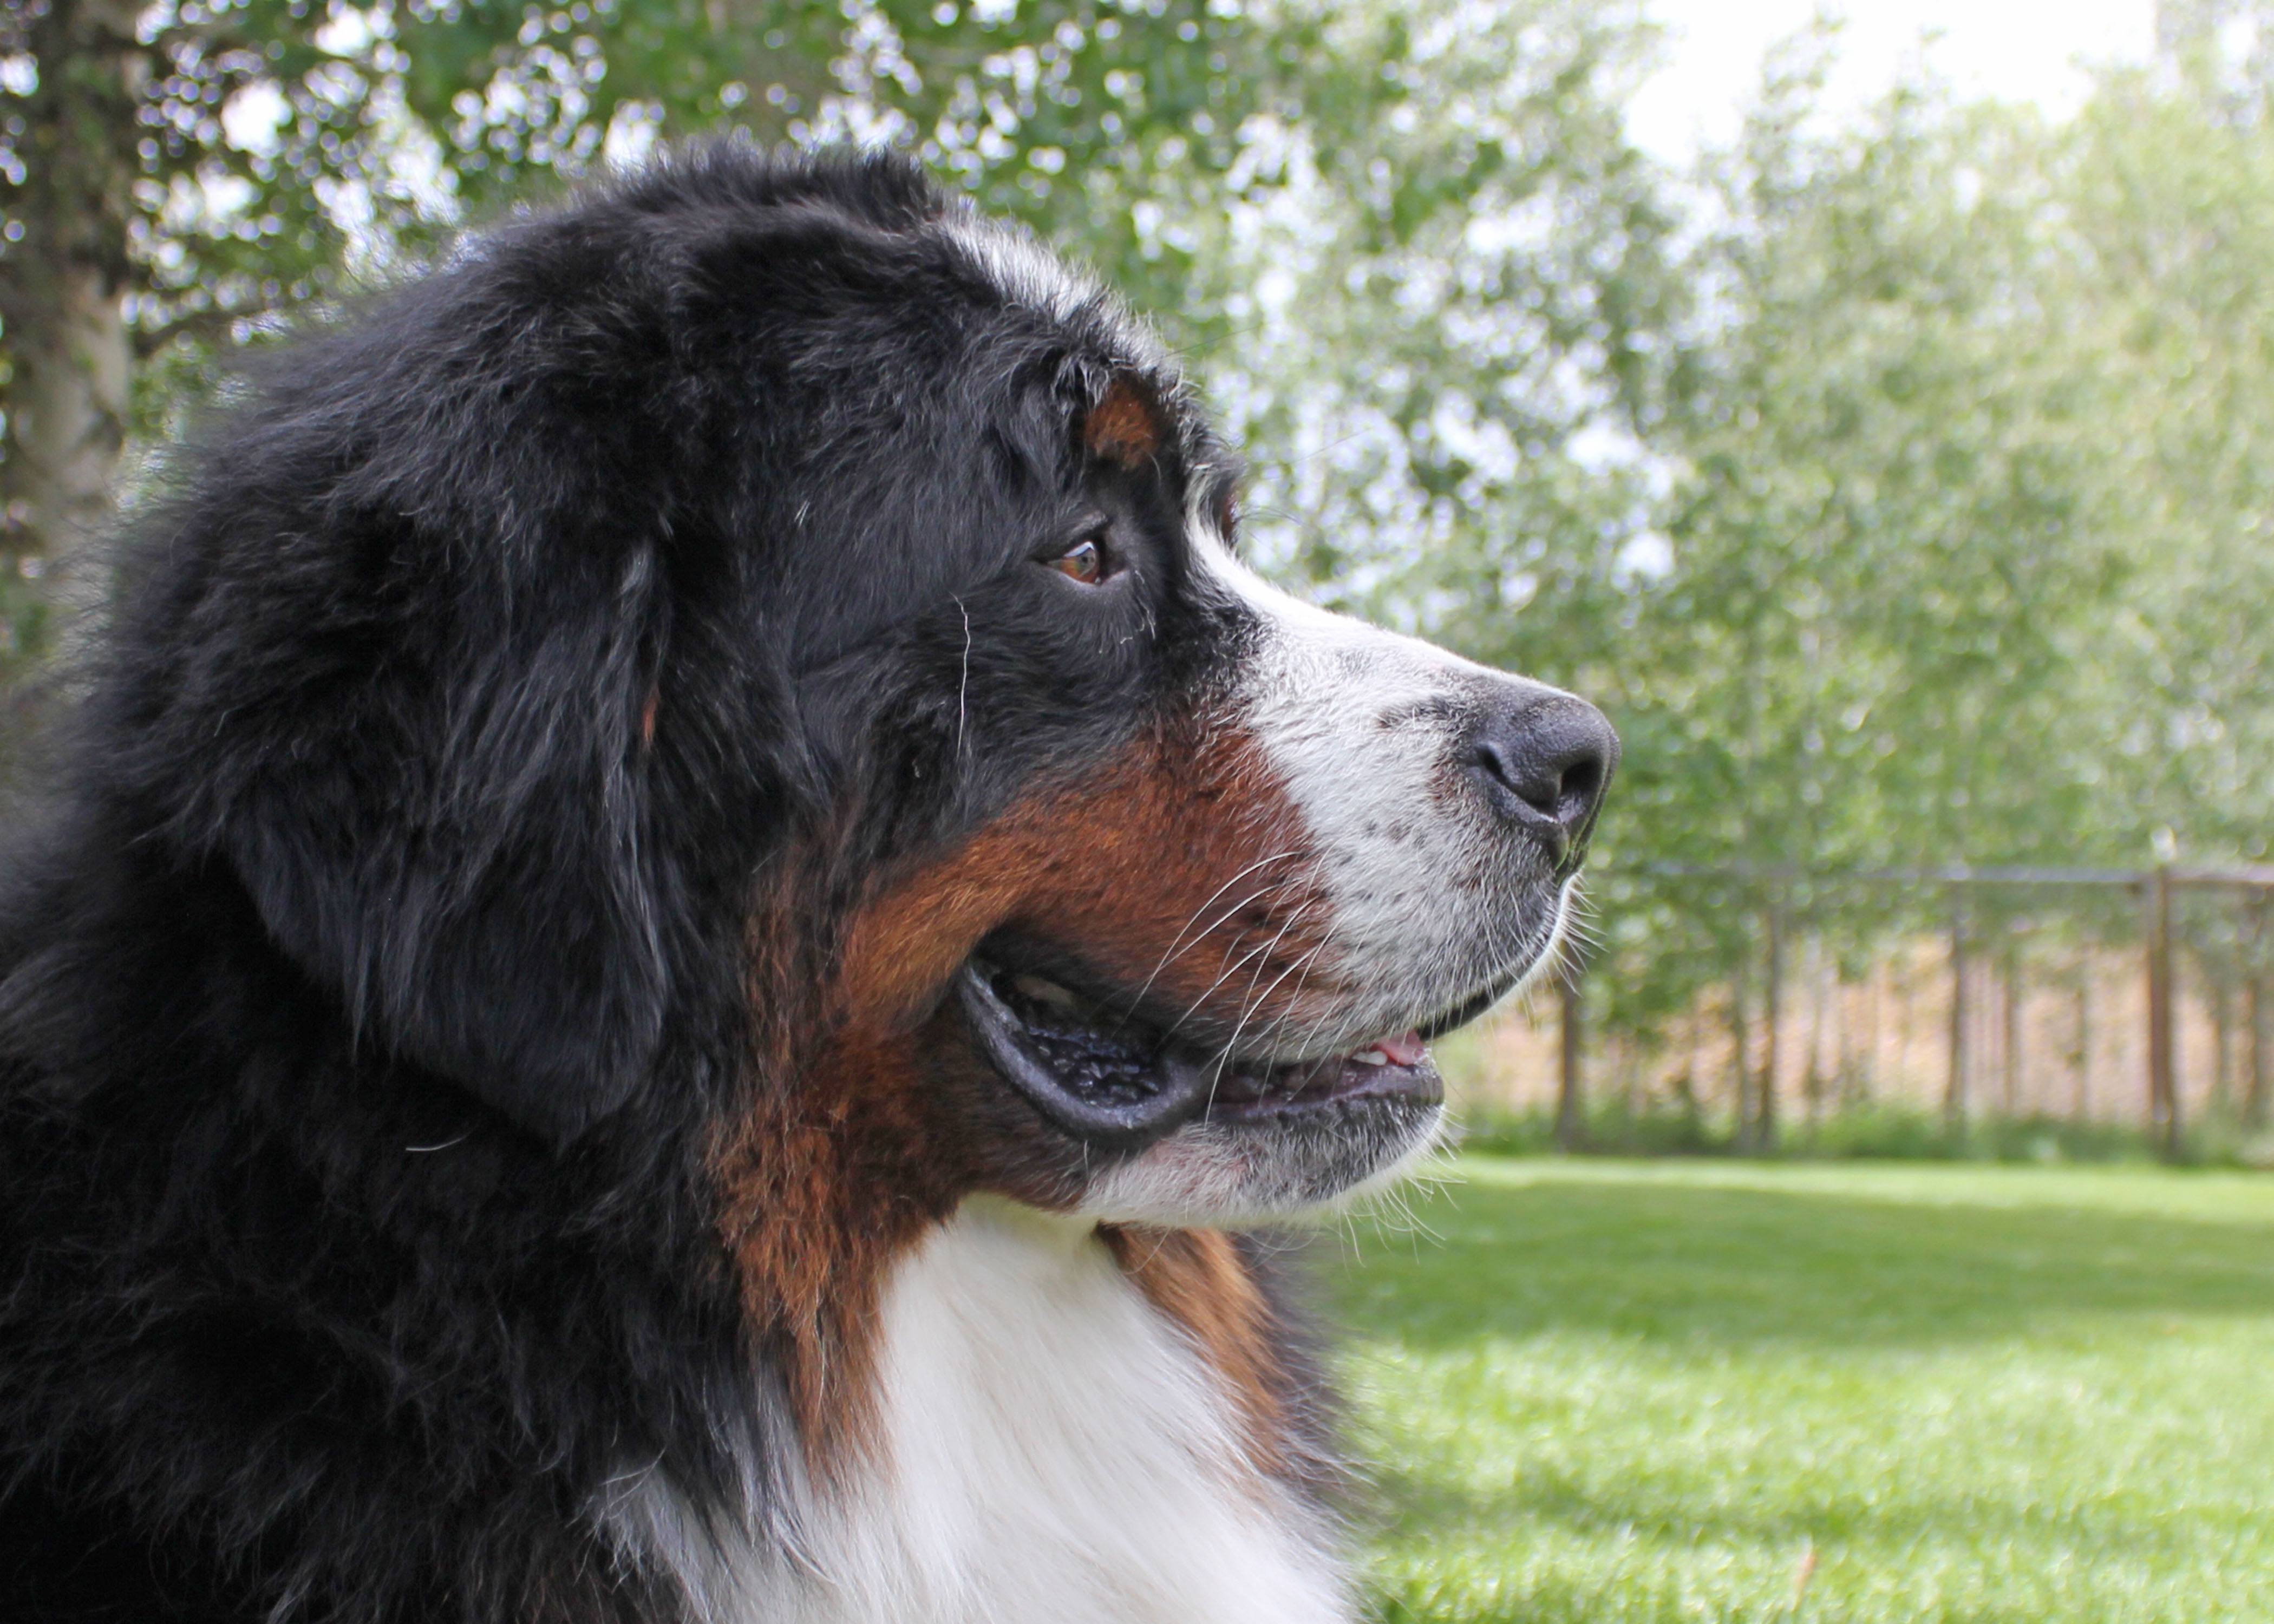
column 2016, row 49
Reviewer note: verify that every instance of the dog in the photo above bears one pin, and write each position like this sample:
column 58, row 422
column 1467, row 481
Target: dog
column 692, row 930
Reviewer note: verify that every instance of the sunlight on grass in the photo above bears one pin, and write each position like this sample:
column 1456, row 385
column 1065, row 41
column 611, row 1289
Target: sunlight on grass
column 1682, row 1391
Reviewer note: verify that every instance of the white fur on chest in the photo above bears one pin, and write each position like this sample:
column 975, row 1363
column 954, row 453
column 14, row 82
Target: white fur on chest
column 1054, row 1453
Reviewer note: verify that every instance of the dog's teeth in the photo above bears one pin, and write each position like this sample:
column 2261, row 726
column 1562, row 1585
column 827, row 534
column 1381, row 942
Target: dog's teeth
column 1043, row 992
column 1371, row 1056
column 1406, row 1048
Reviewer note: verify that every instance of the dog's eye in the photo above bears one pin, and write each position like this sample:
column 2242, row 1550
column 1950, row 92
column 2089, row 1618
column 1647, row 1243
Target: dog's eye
column 1084, row 562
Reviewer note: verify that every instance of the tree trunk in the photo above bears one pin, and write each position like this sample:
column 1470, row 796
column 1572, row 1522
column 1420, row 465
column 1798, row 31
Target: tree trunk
column 1764, row 1135
column 1685, row 1082
column 2163, row 1034
column 1741, row 1046
column 1819, row 1021
column 2254, row 1104
column 2254, row 1013
column 64, row 277
column 1570, row 1097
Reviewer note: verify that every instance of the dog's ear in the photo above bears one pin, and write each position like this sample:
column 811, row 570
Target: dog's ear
column 456, row 837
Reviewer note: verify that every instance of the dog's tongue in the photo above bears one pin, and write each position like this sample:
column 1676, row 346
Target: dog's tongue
column 1405, row 1049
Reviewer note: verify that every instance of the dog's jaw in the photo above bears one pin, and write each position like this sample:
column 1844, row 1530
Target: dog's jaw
column 1211, row 1172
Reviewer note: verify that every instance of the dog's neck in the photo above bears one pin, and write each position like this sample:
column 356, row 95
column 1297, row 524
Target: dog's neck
column 1049, row 1448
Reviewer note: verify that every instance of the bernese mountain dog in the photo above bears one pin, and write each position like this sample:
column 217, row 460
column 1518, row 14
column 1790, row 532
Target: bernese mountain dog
column 690, row 926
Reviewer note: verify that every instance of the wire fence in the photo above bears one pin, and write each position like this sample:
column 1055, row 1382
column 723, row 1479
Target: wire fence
column 1747, row 1007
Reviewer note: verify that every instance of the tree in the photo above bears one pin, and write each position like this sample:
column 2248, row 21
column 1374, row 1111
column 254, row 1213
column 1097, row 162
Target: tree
column 2170, row 192
column 1898, row 485
column 75, row 73
column 186, row 170
column 1451, row 317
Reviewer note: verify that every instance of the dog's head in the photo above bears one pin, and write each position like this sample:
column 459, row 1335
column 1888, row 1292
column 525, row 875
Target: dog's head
column 1224, row 862
column 765, row 611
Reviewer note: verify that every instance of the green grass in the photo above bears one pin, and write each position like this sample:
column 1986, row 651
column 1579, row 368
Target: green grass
column 1614, row 1391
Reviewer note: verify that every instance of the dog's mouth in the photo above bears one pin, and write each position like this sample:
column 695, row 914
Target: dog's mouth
column 1115, row 1080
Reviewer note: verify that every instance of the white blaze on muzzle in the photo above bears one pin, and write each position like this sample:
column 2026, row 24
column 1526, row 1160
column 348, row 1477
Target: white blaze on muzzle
column 1436, row 895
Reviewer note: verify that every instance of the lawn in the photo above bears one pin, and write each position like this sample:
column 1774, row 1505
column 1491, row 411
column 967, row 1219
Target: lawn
column 1608, row 1391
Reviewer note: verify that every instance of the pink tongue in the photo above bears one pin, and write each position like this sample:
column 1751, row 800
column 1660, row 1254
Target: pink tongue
column 1405, row 1049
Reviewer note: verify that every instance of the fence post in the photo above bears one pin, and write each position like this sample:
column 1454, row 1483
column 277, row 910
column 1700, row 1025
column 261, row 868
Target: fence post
column 2010, row 1012
column 2222, row 1046
column 1741, row 1034
column 1765, row 1137
column 2162, row 1090
column 1570, row 1095
column 2254, row 1101
column 1953, row 1096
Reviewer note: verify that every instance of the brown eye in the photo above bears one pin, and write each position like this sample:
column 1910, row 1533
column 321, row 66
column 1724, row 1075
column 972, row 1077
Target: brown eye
column 1084, row 562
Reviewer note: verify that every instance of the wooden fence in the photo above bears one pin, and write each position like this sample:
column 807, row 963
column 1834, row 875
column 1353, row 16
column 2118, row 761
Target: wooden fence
column 1986, row 1001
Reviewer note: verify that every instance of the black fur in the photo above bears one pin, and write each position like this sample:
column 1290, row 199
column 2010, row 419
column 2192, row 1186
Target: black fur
column 371, row 989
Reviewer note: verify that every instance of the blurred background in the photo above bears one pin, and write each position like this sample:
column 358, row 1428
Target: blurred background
column 1877, row 417
column 1872, row 417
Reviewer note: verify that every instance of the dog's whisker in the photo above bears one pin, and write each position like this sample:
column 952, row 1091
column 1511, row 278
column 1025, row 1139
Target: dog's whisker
column 1231, row 970
column 1176, row 947
column 1231, row 1045
column 1224, row 1059
column 1301, row 969
column 963, row 687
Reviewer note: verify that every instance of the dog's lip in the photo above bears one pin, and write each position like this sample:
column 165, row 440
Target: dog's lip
column 1247, row 1091
column 1117, row 1090
column 1118, row 1083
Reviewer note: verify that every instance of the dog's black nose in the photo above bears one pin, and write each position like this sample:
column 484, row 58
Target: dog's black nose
column 1544, row 763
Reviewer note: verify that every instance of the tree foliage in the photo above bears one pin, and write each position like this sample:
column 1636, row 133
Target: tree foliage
column 188, row 169
column 1902, row 482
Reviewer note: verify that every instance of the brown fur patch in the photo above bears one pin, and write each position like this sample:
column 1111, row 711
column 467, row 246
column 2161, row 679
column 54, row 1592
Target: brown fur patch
column 1180, row 862
column 1124, row 426
column 1180, row 865
column 1197, row 1279
column 826, row 1183
column 833, row 1171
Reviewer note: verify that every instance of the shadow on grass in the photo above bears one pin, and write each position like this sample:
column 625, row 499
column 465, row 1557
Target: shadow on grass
column 1690, row 1265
